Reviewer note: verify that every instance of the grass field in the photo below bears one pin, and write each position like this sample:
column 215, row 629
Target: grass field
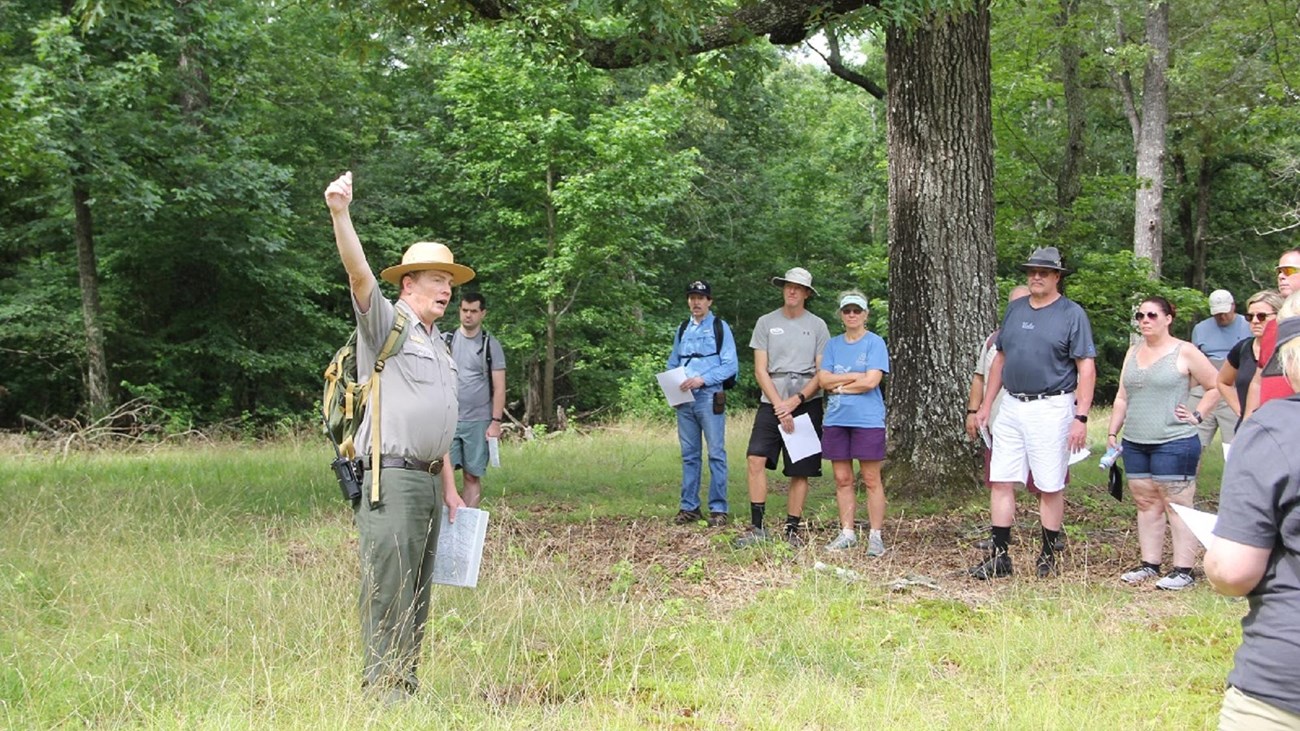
column 214, row 587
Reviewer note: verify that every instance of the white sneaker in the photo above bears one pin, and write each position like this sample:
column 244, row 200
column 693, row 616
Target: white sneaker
column 843, row 542
column 875, row 546
column 1176, row 581
column 1138, row 575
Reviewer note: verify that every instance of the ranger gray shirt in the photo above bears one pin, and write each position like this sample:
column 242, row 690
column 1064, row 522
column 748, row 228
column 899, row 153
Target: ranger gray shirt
column 1260, row 506
column 471, row 365
column 418, row 391
column 1039, row 346
column 792, row 348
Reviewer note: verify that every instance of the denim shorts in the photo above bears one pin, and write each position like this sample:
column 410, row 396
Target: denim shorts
column 1168, row 462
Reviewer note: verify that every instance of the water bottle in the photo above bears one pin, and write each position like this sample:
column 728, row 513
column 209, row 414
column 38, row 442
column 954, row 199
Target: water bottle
column 1109, row 457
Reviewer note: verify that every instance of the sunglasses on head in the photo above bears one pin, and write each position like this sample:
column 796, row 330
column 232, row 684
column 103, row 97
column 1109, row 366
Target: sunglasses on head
column 1258, row 316
column 1148, row 315
column 1286, row 270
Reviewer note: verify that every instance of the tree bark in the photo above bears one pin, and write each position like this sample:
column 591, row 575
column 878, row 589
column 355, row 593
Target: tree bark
column 1067, row 181
column 1148, row 204
column 1194, row 218
column 942, row 287
column 552, row 309
column 98, row 394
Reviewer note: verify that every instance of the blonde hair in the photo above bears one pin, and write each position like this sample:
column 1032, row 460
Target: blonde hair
column 1270, row 297
column 1290, row 308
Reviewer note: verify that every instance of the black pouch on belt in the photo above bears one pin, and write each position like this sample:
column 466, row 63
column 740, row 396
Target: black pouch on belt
column 719, row 402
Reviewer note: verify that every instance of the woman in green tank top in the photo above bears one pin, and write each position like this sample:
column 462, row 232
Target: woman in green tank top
column 1160, row 446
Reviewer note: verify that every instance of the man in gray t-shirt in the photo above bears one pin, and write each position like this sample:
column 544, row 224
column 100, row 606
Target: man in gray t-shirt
column 481, row 369
column 787, row 345
column 1045, row 373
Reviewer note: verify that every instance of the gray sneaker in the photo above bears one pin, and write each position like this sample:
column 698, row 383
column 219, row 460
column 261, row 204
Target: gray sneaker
column 755, row 536
column 1176, row 581
column 1138, row 575
column 875, row 546
column 842, row 542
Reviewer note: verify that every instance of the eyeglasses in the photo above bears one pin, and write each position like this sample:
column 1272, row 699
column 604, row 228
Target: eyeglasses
column 1148, row 315
column 1260, row 316
column 852, row 310
column 1287, row 271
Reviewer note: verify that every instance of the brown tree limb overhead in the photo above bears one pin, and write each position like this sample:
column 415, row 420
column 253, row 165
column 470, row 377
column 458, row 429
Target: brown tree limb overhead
column 835, row 64
column 784, row 22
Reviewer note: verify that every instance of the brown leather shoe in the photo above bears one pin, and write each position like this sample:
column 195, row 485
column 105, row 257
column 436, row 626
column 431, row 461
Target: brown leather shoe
column 688, row 517
column 718, row 520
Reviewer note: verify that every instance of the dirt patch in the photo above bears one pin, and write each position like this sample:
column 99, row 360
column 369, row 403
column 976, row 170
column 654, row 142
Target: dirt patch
column 927, row 556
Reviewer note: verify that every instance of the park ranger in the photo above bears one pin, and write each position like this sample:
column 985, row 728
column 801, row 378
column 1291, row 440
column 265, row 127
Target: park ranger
column 398, row 534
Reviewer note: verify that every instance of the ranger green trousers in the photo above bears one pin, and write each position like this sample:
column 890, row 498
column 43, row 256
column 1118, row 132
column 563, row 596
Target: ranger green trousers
column 397, row 541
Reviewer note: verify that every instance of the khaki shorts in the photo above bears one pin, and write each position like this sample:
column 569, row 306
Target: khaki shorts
column 1243, row 713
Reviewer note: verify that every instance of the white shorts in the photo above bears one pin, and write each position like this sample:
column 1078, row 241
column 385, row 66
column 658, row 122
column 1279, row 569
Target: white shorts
column 1033, row 435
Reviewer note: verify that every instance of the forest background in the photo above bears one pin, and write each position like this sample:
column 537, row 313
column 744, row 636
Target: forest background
column 163, row 235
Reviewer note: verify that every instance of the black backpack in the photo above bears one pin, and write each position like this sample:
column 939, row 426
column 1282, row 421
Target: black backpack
column 450, row 337
column 728, row 384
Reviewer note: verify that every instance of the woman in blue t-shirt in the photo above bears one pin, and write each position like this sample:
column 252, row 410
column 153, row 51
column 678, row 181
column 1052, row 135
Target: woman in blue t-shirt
column 854, row 424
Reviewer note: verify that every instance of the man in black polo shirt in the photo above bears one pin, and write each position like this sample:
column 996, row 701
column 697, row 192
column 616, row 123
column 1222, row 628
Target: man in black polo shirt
column 1045, row 367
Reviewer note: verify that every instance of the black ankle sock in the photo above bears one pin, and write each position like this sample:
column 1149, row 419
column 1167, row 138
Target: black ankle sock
column 1001, row 538
column 792, row 523
column 756, row 511
column 1153, row 566
column 1183, row 570
column 1049, row 541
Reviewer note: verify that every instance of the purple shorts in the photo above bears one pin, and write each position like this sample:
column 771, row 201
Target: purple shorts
column 840, row 443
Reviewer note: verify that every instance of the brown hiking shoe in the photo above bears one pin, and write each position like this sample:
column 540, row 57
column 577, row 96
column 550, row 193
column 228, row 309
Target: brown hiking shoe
column 718, row 520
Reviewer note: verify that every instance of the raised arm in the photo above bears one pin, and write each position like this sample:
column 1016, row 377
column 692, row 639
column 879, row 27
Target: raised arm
column 361, row 280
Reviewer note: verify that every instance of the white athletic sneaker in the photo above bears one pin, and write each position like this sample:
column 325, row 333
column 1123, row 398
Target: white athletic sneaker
column 1138, row 575
column 843, row 542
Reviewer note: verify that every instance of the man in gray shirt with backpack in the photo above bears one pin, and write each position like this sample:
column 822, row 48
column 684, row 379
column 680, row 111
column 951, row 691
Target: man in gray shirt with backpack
column 481, row 370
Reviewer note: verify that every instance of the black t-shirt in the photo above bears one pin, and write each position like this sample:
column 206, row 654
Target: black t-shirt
column 1242, row 357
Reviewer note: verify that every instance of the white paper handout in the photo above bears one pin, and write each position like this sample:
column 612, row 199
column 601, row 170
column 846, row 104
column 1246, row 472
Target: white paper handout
column 671, row 382
column 460, row 548
column 1200, row 522
column 804, row 441
column 1079, row 456
column 494, row 451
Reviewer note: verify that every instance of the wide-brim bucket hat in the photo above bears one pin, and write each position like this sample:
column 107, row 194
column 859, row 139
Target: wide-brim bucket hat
column 428, row 255
column 797, row 275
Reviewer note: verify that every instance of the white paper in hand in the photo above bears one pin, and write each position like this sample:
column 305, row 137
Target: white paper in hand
column 494, row 451
column 1200, row 522
column 803, row 442
column 460, row 547
column 671, row 382
column 1079, row 456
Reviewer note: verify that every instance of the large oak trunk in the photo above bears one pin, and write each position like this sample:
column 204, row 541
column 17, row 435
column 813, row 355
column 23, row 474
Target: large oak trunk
column 942, row 285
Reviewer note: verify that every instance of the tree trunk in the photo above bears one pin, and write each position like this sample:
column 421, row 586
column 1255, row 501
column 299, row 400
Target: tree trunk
column 942, row 287
column 1148, row 205
column 1067, row 180
column 98, row 395
column 552, row 309
column 1194, row 218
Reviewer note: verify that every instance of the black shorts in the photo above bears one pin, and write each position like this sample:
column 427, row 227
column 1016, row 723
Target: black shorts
column 765, row 440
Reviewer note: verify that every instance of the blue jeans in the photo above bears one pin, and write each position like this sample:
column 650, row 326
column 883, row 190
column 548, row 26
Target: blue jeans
column 696, row 420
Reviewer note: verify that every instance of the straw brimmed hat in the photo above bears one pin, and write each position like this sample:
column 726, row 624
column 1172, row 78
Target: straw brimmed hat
column 428, row 255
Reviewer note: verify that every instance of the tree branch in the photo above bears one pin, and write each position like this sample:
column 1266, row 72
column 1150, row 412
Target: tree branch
column 835, row 64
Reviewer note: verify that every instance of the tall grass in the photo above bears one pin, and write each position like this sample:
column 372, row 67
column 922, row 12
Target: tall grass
column 214, row 587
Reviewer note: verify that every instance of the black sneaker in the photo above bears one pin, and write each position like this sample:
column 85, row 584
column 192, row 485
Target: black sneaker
column 718, row 520
column 688, row 517
column 1046, row 565
column 996, row 566
column 795, row 538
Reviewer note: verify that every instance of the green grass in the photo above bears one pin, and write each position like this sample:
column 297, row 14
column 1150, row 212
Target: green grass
column 214, row 587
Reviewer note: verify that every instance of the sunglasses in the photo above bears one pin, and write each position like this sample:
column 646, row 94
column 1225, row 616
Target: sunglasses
column 852, row 310
column 1287, row 271
column 1148, row 315
column 1259, row 316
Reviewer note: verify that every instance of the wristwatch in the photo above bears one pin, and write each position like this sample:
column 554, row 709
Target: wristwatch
column 1198, row 416
column 802, row 398
column 1081, row 418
